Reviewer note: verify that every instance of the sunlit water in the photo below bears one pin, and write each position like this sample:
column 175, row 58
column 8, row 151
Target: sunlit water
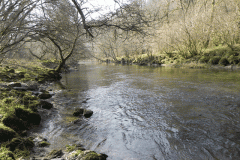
column 148, row 113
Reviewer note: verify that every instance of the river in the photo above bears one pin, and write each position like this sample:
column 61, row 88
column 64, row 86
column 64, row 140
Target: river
column 148, row 113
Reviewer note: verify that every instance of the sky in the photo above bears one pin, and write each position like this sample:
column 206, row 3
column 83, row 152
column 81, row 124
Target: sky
column 105, row 6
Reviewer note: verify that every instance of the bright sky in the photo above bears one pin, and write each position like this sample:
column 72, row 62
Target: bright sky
column 104, row 5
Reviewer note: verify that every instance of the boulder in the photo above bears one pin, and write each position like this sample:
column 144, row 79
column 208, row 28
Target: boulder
column 20, row 143
column 6, row 133
column 14, row 84
column 85, row 155
column 78, row 112
column 46, row 105
column 29, row 117
column 14, row 122
column 20, row 88
column 55, row 154
column 44, row 96
column 88, row 113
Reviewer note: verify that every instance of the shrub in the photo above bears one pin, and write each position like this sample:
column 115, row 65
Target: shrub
column 204, row 59
column 214, row 60
column 223, row 61
column 233, row 59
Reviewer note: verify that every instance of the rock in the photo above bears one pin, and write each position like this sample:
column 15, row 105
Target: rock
column 43, row 144
column 21, row 74
column 86, row 155
column 44, row 96
column 78, row 112
column 11, row 70
column 88, row 113
column 46, row 105
column 36, row 93
column 20, row 143
column 20, row 88
column 14, row 84
column 31, row 118
column 6, row 133
column 55, row 154
column 33, row 87
column 15, row 123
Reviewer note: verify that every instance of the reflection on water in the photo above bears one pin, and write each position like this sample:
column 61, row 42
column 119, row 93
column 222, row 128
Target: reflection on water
column 150, row 113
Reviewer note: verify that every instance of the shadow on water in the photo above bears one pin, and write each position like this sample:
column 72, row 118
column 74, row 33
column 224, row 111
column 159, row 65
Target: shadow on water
column 149, row 113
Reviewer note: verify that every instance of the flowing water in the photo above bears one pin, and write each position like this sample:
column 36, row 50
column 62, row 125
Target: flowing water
column 148, row 113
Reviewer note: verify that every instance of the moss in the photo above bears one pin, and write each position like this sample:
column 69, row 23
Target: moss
column 14, row 122
column 223, row 61
column 233, row 59
column 70, row 148
column 204, row 59
column 44, row 144
column 55, row 154
column 6, row 133
column 91, row 156
column 214, row 60
column 5, row 154
column 217, row 51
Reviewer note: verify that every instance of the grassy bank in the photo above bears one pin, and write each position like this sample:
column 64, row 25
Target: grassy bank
column 18, row 107
column 219, row 55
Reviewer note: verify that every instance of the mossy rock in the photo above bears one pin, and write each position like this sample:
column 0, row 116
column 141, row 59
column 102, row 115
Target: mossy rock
column 20, row 143
column 88, row 113
column 10, row 70
column 214, row 60
column 43, row 144
column 204, row 59
column 6, row 155
column 55, row 154
column 44, row 96
column 14, row 122
column 6, row 133
column 46, row 105
column 29, row 117
column 224, row 61
column 78, row 112
column 90, row 155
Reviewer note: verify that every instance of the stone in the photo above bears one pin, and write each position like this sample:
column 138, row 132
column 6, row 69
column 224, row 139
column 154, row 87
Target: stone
column 14, row 122
column 20, row 88
column 55, row 154
column 14, row 84
column 44, row 96
column 30, row 118
column 6, row 133
column 11, row 70
column 78, row 112
column 88, row 113
column 46, row 105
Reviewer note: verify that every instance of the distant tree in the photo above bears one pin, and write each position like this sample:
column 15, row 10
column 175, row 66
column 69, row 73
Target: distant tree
column 15, row 24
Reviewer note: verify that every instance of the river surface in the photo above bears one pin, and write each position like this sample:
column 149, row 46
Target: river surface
column 148, row 113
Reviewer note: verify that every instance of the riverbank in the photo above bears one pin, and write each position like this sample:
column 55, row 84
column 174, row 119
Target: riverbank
column 218, row 57
column 24, row 106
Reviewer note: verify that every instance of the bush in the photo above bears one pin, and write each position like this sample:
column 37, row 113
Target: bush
column 204, row 59
column 233, row 59
column 224, row 61
column 214, row 60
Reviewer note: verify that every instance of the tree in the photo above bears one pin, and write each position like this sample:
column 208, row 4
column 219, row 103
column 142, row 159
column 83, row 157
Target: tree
column 15, row 25
column 61, row 27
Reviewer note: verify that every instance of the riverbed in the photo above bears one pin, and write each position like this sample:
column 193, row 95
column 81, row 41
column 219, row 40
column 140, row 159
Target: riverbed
column 144, row 112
